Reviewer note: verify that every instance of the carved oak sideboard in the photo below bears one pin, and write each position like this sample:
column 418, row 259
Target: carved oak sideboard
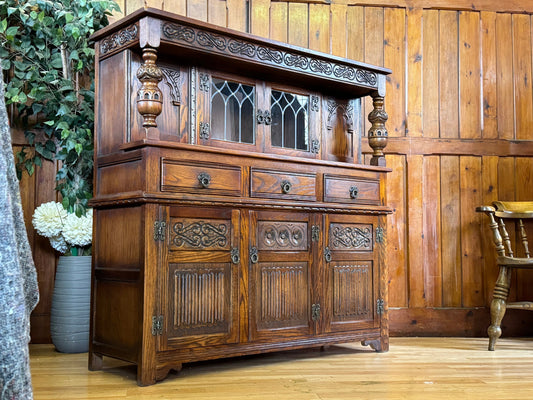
column 233, row 214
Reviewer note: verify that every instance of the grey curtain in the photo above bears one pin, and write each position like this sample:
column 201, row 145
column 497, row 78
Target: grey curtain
column 19, row 292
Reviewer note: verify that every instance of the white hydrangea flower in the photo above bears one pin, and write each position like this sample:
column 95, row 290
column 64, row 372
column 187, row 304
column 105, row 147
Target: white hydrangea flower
column 59, row 244
column 77, row 231
column 48, row 219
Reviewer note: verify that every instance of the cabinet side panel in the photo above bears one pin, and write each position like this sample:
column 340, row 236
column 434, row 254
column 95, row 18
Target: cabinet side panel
column 111, row 129
column 117, row 282
column 118, row 240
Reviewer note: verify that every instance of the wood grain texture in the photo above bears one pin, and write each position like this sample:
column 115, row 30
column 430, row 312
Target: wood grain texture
column 415, row 368
column 469, row 75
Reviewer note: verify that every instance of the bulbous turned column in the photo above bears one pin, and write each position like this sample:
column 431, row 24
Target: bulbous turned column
column 149, row 97
column 377, row 134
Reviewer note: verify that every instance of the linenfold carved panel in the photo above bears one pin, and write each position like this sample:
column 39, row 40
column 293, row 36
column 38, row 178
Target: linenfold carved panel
column 350, row 237
column 283, row 295
column 199, row 294
column 268, row 55
column 199, row 234
column 282, row 235
column 352, row 291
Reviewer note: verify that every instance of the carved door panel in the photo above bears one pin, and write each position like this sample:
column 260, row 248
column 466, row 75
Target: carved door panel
column 280, row 275
column 201, row 277
column 351, row 273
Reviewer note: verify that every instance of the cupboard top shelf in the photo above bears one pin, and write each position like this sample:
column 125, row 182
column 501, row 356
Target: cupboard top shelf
column 200, row 43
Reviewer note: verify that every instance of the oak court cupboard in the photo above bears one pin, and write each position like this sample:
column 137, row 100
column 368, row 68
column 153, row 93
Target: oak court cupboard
column 232, row 212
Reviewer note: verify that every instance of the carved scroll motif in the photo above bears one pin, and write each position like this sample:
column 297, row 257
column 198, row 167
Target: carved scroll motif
column 119, row 39
column 356, row 237
column 291, row 60
column 199, row 234
column 172, row 79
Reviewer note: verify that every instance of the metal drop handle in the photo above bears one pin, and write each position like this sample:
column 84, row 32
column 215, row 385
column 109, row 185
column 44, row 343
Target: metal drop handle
column 286, row 187
column 205, row 179
column 254, row 258
column 354, row 191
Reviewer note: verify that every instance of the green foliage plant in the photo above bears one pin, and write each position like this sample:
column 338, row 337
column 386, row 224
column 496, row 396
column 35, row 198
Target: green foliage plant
column 48, row 62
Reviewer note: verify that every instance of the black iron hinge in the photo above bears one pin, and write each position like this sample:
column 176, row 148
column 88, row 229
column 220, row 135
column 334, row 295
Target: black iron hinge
column 157, row 325
column 380, row 307
column 380, row 234
column 159, row 230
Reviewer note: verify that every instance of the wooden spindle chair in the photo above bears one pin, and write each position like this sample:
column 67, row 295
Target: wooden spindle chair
column 502, row 214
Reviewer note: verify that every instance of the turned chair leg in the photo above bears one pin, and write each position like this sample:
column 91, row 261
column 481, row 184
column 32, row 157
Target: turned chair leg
column 498, row 305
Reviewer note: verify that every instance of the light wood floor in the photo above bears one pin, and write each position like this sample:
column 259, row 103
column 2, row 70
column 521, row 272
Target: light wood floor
column 414, row 368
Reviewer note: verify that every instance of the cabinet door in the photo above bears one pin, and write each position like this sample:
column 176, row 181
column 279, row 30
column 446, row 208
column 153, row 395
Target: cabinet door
column 227, row 111
column 351, row 273
column 200, row 278
column 280, row 275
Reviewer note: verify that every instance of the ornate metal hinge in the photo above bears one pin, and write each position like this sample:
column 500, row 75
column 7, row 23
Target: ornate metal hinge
column 159, row 231
column 380, row 234
column 315, row 312
column 315, row 233
column 315, row 146
column 157, row 325
column 380, row 306
column 204, row 130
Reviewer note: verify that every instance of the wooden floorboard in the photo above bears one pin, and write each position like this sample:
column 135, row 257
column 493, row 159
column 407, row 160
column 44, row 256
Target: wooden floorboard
column 414, row 368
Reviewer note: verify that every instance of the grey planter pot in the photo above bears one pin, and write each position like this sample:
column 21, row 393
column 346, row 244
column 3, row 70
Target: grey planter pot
column 70, row 313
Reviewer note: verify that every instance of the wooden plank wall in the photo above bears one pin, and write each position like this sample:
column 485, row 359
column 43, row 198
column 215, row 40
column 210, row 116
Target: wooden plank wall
column 460, row 105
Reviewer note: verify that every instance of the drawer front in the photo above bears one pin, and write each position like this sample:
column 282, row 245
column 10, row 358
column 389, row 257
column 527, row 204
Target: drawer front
column 351, row 190
column 283, row 185
column 200, row 178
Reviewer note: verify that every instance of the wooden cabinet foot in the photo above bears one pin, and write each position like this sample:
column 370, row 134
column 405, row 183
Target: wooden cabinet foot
column 378, row 345
column 96, row 361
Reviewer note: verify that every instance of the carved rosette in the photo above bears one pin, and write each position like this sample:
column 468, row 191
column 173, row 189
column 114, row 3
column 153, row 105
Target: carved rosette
column 377, row 134
column 149, row 96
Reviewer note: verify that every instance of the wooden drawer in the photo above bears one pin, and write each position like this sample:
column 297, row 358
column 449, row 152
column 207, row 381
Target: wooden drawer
column 340, row 189
column 200, row 178
column 282, row 185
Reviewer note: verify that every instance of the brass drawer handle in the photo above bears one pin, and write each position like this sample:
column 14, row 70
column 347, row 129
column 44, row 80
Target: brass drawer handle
column 205, row 179
column 354, row 192
column 286, row 187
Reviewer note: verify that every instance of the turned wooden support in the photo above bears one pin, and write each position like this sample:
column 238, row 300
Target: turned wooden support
column 149, row 96
column 377, row 134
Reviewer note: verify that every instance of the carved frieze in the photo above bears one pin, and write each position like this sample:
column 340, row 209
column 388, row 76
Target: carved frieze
column 350, row 237
column 119, row 39
column 200, row 234
column 270, row 55
column 282, row 235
